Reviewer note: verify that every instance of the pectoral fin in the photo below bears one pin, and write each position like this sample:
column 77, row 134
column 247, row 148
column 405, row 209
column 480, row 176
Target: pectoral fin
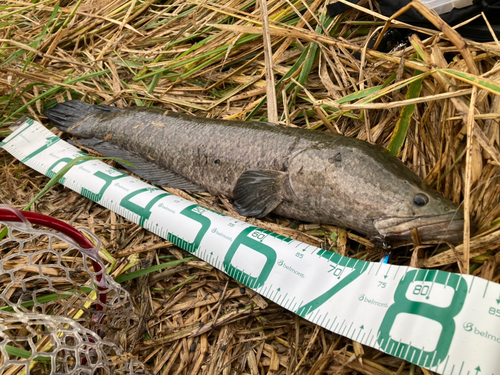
column 258, row 192
column 142, row 167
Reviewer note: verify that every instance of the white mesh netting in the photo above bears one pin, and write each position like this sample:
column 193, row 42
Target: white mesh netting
column 45, row 344
column 60, row 313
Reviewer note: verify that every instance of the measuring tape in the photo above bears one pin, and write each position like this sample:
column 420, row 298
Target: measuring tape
column 444, row 322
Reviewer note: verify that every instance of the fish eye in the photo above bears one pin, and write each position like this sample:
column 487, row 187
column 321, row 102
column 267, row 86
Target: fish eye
column 420, row 199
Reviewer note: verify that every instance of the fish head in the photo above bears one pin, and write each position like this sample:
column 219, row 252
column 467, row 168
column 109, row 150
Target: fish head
column 436, row 218
column 364, row 188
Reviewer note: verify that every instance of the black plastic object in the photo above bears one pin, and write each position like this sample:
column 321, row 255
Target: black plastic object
column 476, row 30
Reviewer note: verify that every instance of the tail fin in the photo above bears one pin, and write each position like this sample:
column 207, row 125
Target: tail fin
column 64, row 115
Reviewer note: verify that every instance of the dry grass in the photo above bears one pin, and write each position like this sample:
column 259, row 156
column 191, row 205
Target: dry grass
column 208, row 59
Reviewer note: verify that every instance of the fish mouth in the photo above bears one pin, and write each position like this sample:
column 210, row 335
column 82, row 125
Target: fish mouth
column 431, row 229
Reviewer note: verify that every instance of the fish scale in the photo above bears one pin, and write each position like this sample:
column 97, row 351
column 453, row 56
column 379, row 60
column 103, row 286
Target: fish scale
column 190, row 147
column 444, row 322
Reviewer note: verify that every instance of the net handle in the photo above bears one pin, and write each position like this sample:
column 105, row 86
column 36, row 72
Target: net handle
column 49, row 222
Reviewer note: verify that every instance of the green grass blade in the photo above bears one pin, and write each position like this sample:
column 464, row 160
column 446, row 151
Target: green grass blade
column 36, row 43
column 24, row 8
column 65, row 170
column 153, row 83
column 309, row 62
column 298, row 64
column 21, row 353
column 71, row 15
column 49, row 298
column 182, row 283
column 359, row 94
column 145, row 271
column 396, row 86
column 479, row 82
column 401, row 129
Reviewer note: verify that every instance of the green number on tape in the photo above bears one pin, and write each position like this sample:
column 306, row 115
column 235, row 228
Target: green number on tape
column 357, row 266
column 193, row 212
column 51, row 173
column 96, row 197
column 263, row 233
column 442, row 315
column 143, row 212
column 254, row 244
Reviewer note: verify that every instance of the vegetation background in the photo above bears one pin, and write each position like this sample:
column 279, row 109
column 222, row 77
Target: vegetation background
column 433, row 102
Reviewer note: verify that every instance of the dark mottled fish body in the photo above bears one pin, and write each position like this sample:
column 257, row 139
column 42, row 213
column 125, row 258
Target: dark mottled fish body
column 307, row 175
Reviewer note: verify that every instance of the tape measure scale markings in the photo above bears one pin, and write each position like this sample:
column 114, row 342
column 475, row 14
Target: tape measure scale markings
column 441, row 321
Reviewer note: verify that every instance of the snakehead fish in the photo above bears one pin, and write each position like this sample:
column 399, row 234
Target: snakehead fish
column 297, row 173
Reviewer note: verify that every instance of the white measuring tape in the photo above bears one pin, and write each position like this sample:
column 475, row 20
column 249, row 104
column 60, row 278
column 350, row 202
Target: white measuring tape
column 442, row 321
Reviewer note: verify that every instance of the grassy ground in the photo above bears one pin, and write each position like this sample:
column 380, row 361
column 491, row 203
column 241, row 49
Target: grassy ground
column 434, row 104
